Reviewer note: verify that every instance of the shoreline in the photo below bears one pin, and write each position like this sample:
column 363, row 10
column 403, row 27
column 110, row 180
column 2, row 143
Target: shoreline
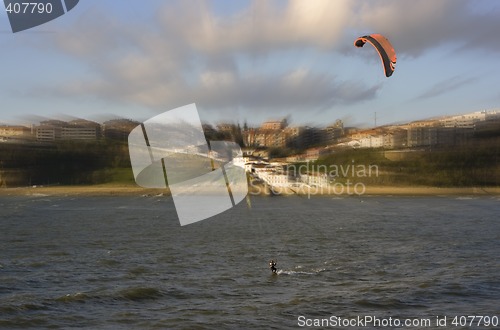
column 391, row 191
column 84, row 191
column 434, row 191
column 131, row 190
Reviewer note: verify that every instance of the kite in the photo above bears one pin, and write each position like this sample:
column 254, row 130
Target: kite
column 384, row 49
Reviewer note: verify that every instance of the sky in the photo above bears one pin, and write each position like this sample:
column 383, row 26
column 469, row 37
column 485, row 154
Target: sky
column 251, row 61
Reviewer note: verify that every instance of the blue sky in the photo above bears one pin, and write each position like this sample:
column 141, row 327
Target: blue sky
column 254, row 60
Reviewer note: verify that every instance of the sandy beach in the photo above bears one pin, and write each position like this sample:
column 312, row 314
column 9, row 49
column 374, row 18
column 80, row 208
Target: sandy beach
column 132, row 190
column 95, row 190
column 432, row 191
column 386, row 191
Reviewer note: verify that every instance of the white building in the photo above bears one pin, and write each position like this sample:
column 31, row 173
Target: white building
column 372, row 141
column 467, row 120
column 276, row 179
column 315, row 179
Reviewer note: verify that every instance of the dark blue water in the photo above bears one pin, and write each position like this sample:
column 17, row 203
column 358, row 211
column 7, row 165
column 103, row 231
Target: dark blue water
column 124, row 262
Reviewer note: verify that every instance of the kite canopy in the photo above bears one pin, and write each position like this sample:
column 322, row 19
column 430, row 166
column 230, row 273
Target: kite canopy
column 384, row 49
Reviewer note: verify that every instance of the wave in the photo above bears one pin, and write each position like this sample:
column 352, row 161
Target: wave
column 38, row 195
column 71, row 297
column 109, row 262
column 22, row 308
column 132, row 293
column 140, row 270
column 389, row 303
column 140, row 293
column 299, row 272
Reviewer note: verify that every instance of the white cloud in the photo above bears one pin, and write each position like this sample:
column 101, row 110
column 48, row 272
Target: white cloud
column 213, row 79
column 415, row 26
column 189, row 54
column 260, row 28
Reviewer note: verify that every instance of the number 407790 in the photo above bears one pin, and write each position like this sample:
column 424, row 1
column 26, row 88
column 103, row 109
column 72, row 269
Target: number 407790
column 29, row 8
column 475, row 321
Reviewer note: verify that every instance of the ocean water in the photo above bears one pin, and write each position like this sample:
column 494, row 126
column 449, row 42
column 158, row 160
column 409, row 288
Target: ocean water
column 125, row 262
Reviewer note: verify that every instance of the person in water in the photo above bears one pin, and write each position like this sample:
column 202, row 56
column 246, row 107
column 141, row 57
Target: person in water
column 272, row 265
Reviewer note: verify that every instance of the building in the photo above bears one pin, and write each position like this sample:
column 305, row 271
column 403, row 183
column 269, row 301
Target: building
column 270, row 138
column 15, row 132
column 226, row 128
column 261, row 153
column 314, row 153
column 395, row 139
column 249, row 137
column 371, row 141
column 465, row 121
column 422, row 136
column 78, row 129
column 490, row 127
column 438, row 136
column 277, row 179
column 118, row 129
column 312, row 136
column 315, row 179
column 274, row 124
column 48, row 131
column 372, row 138
column 294, row 137
column 81, row 129
column 334, row 132
column 422, row 123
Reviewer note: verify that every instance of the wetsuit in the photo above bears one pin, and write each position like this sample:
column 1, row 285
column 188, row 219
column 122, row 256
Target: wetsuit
column 272, row 265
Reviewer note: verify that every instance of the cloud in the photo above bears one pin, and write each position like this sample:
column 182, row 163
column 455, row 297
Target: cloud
column 188, row 53
column 260, row 28
column 415, row 26
column 445, row 86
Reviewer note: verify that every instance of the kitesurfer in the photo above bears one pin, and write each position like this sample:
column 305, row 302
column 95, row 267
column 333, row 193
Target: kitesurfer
column 272, row 265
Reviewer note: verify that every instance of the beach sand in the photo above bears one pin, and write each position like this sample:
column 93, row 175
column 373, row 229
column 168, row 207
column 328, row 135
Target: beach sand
column 432, row 191
column 94, row 190
column 133, row 190
column 382, row 191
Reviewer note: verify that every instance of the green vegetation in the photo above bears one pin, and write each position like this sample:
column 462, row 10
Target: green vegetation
column 64, row 163
column 97, row 162
column 471, row 165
